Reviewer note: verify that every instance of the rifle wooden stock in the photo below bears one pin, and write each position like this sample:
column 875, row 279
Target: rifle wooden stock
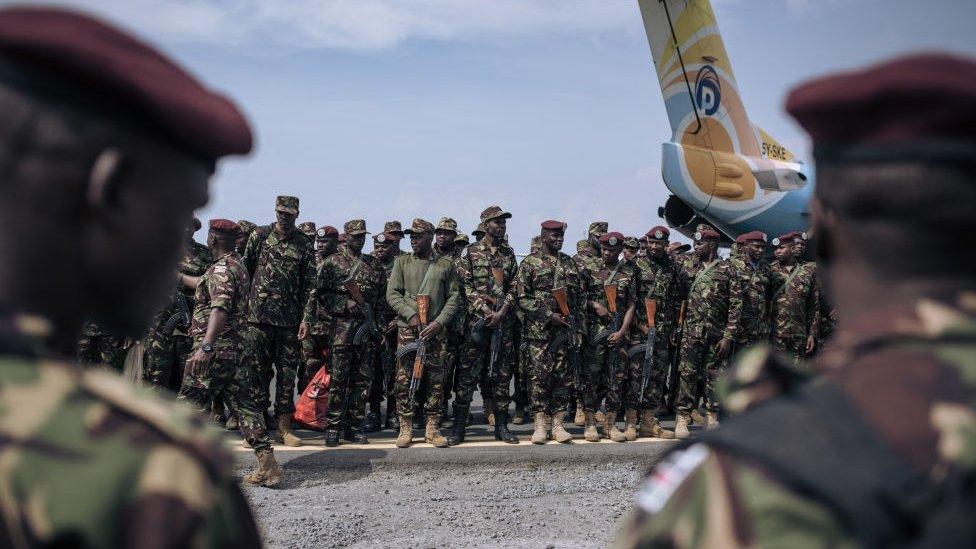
column 499, row 276
column 423, row 308
column 681, row 313
column 611, row 291
column 562, row 299
column 650, row 307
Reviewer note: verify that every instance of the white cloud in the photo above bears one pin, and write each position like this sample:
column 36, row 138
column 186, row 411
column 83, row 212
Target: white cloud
column 356, row 24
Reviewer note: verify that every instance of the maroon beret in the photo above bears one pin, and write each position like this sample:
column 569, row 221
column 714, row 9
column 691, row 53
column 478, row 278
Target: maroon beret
column 886, row 111
column 327, row 231
column 554, row 225
column 224, row 226
column 707, row 234
column 658, row 233
column 752, row 236
column 612, row 238
column 97, row 59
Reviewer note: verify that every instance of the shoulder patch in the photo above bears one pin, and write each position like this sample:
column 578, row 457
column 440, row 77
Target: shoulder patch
column 220, row 268
column 668, row 475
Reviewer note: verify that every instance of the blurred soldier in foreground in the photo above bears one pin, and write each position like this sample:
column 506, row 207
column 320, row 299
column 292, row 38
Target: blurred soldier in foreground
column 107, row 149
column 881, row 450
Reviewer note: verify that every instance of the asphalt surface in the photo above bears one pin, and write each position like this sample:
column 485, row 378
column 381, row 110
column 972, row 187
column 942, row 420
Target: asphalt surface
column 481, row 494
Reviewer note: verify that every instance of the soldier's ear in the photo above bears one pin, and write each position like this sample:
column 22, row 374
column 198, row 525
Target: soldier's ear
column 102, row 194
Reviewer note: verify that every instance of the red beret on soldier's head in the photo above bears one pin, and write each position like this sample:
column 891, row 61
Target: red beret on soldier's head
column 752, row 236
column 612, row 239
column 658, row 233
column 909, row 106
column 327, row 231
column 707, row 234
column 552, row 224
column 224, row 226
column 62, row 52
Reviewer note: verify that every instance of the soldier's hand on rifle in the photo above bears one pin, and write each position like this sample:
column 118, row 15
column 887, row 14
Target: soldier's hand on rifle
column 431, row 330
column 600, row 310
column 558, row 320
column 493, row 319
column 390, row 327
column 811, row 344
column 302, row 331
column 414, row 321
column 724, row 346
column 616, row 337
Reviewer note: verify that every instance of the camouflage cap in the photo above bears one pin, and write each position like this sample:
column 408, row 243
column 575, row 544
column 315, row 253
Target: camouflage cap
column 599, row 228
column 308, row 227
column 631, row 242
column 354, row 227
column 246, row 225
column 287, row 204
column 582, row 245
column 494, row 212
column 479, row 231
column 461, row 237
column 394, row 228
column 420, row 226
column 447, row 224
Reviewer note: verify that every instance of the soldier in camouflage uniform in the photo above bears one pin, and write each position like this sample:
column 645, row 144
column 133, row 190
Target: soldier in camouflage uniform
column 281, row 262
column 167, row 344
column 632, row 248
column 602, row 381
column 308, row 229
column 422, row 273
column 880, row 449
column 351, row 359
column 98, row 347
column 587, row 258
column 93, row 207
column 394, row 229
column 446, row 243
column 520, row 364
column 385, row 246
column 247, row 228
column 795, row 300
column 490, row 302
column 660, row 279
column 315, row 344
column 550, row 368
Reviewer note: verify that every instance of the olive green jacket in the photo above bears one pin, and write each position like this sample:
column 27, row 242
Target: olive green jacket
column 442, row 286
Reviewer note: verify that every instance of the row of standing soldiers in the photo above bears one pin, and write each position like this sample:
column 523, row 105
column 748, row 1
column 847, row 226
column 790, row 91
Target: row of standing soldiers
column 571, row 332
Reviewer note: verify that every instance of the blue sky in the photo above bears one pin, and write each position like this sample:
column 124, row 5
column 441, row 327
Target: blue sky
column 393, row 109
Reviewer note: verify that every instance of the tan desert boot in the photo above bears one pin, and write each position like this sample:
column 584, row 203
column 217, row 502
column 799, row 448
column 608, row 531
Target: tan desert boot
column 268, row 473
column 406, row 433
column 432, row 435
column 651, row 427
column 681, row 427
column 630, row 425
column 711, row 420
column 589, row 432
column 284, row 431
column 559, row 432
column 610, row 428
column 580, row 419
column 539, row 434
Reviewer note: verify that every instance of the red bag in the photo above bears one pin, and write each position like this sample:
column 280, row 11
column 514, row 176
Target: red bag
column 314, row 403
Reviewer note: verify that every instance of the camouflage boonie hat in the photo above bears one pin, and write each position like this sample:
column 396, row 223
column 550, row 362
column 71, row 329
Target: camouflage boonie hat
column 354, row 227
column 394, row 228
column 631, row 242
column 420, row 226
column 447, row 224
column 246, row 226
column 494, row 212
column 582, row 245
column 461, row 237
column 308, row 228
column 287, row 204
column 599, row 228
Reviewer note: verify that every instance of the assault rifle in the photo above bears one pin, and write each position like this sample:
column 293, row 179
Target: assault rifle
column 495, row 285
column 368, row 328
column 614, row 362
column 568, row 336
column 647, row 348
column 181, row 317
column 418, row 346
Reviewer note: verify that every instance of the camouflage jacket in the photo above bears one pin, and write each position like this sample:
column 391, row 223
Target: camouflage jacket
column 537, row 276
column 749, row 295
column 320, row 322
column 281, row 271
column 661, row 280
column 708, row 285
column 474, row 269
column 384, row 313
column 795, row 300
column 624, row 275
column 328, row 293
column 225, row 285
column 909, row 370
column 588, row 260
column 91, row 461
column 196, row 259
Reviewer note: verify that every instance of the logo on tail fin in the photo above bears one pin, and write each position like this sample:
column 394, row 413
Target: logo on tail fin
column 708, row 90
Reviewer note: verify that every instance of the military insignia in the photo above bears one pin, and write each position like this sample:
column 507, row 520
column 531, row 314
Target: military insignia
column 659, row 234
column 803, row 236
column 220, row 269
column 381, row 238
column 776, row 242
column 612, row 241
column 661, row 484
column 320, row 232
column 698, row 235
column 764, row 237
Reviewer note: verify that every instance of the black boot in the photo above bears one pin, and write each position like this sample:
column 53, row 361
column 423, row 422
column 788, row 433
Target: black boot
column 355, row 436
column 371, row 423
column 391, row 419
column 501, row 428
column 460, row 424
column 418, row 418
column 332, row 438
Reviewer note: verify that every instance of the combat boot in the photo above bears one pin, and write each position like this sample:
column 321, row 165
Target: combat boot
column 519, row 418
column 332, row 438
column 589, row 432
column 355, row 436
column 711, row 420
column 559, row 432
column 284, row 431
column 651, row 427
column 681, row 426
column 460, row 425
column 610, row 428
column 406, row 433
column 539, row 434
column 697, row 418
column 579, row 419
column 433, row 435
column 268, row 473
column 501, row 428
column 600, row 416
column 630, row 425
column 371, row 423
column 232, row 423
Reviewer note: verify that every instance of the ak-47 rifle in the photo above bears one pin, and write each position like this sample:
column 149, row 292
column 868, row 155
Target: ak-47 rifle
column 671, row 380
column 569, row 335
column 368, row 328
column 418, row 346
column 646, row 348
column 495, row 285
column 614, row 361
column 181, row 317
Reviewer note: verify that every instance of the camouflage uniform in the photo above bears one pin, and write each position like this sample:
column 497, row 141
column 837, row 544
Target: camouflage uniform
column 705, row 497
column 308, row 229
column 98, row 347
column 281, row 269
column 381, row 384
column 166, row 353
column 91, row 461
column 598, row 383
column 315, row 346
column 551, row 379
column 456, row 340
column 749, row 295
column 795, row 307
column 351, row 363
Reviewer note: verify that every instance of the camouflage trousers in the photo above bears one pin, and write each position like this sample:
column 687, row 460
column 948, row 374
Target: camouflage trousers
column 550, row 378
column 273, row 352
column 453, row 355
column 166, row 355
column 794, row 346
column 598, row 383
column 475, row 362
column 432, row 383
column 102, row 349
column 699, row 364
column 315, row 350
column 520, row 371
column 350, row 372
column 212, row 384
column 657, row 381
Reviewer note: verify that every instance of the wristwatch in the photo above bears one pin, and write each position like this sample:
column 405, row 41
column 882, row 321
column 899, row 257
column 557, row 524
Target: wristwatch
column 207, row 348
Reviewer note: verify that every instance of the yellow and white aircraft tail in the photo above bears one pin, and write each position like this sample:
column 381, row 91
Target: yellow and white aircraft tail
column 718, row 163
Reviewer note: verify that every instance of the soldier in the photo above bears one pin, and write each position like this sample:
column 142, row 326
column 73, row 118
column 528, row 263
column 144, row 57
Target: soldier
column 659, row 280
column 749, row 293
column 446, row 243
column 795, row 300
column 167, row 344
column 479, row 232
column 632, row 248
column 520, row 364
column 308, row 229
column 394, row 229
column 550, row 365
column 487, row 271
column 587, row 257
column 879, row 450
column 98, row 347
column 315, row 344
column 247, row 228
column 384, row 345
column 677, row 250
column 89, row 460
column 708, row 338
column 351, row 356
column 281, row 262
column 422, row 273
